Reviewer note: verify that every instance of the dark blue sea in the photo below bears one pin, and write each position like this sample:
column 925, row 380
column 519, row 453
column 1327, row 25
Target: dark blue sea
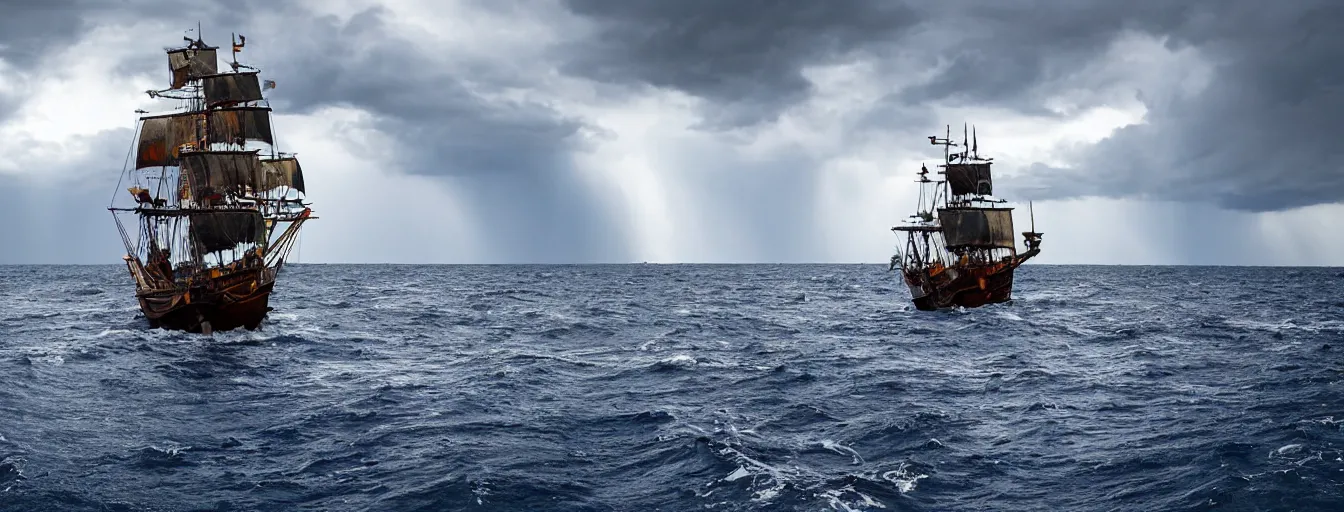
column 680, row 387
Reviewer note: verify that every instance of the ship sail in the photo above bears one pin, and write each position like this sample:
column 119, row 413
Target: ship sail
column 229, row 125
column 977, row 227
column 231, row 88
column 970, row 178
column 161, row 138
column 191, row 63
column 218, row 206
column 235, row 174
column 282, row 172
column 218, row 231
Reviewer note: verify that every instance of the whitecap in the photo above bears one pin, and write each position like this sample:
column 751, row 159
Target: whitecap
column 741, row 472
column 905, row 480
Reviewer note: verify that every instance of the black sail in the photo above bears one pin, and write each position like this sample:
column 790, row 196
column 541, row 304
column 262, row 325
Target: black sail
column 282, row 172
column 188, row 64
column 161, row 138
column 223, row 230
column 231, row 124
column 977, row 227
column 223, row 173
column 970, row 179
column 229, row 88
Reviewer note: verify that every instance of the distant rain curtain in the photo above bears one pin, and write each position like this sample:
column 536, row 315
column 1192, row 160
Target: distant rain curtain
column 231, row 88
column 218, row 231
column 235, row 173
column 191, row 63
column 282, row 172
column 977, row 227
column 161, row 138
column 229, row 125
column 970, row 179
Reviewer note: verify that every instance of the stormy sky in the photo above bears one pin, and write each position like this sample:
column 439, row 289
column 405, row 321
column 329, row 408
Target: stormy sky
column 576, row 131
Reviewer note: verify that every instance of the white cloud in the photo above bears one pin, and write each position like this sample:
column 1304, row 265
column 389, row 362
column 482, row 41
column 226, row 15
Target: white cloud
column 368, row 210
column 75, row 96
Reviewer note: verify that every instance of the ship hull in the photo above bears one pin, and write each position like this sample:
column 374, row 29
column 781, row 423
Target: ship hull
column 971, row 288
column 222, row 304
column 967, row 286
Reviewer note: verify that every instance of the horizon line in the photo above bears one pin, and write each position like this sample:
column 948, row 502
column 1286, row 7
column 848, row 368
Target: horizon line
column 708, row 263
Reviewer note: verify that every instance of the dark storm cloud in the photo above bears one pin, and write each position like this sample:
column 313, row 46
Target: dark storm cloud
column 745, row 56
column 29, row 27
column 748, row 56
column 450, row 129
column 510, row 161
column 1018, row 53
column 322, row 61
column 1262, row 136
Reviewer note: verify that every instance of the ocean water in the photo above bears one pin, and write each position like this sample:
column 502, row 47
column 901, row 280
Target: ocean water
column 680, row 387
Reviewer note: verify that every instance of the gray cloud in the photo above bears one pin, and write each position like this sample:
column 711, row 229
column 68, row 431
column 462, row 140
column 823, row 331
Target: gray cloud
column 60, row 214
column 31, row 28
column 509, row 160
column 1019, row 54
column 748, row 56
column 322, row 61
column 448, row 129
column 28, row 28
column 1261, row 137
column 745, row 56
column 1264, row 134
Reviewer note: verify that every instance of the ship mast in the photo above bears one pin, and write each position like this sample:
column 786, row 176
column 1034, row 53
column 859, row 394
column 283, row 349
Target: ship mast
column 954, row 223
column 223, row 197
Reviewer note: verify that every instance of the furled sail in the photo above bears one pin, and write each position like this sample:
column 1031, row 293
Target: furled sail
column 187, row 64
column 231, row 88
column 236, row 173
column 161, row 138
column 970, row 179
column 231, row 124
column 218, row 231
column 977, row 227
column 282, row 172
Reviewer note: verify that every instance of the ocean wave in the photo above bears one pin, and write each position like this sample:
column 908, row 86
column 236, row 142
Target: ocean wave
column 632, row 387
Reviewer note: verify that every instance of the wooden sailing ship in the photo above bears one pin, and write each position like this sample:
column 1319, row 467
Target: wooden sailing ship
column 959, row 245
column 214, row 208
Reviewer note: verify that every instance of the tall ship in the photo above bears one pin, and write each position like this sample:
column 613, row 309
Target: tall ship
column 959, row 245
column 213, row 208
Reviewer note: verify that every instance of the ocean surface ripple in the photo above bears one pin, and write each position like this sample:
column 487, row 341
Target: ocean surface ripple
column 680, row 387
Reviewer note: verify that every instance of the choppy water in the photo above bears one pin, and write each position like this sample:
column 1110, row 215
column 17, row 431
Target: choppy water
column 649, row 387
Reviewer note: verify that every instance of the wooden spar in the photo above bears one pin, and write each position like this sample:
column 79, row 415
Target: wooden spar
column 176, row 286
